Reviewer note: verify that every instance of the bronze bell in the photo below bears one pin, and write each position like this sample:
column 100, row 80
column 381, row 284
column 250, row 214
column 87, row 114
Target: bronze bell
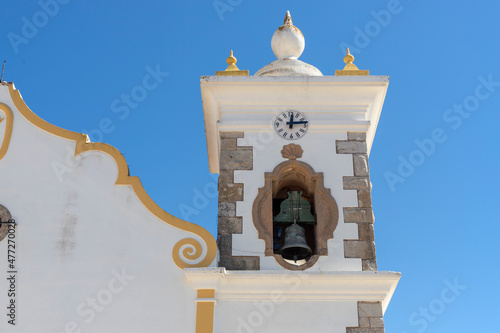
column 295, row 246
column 295, row 208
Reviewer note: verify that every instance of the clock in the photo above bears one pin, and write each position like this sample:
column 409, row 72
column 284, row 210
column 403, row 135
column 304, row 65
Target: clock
column 291, row 125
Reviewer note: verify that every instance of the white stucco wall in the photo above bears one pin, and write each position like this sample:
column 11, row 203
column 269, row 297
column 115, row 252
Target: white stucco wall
column 279, row 315
column 82, row 239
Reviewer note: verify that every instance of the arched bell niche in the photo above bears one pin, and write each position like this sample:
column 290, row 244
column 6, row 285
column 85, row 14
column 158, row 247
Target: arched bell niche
column 295, row 176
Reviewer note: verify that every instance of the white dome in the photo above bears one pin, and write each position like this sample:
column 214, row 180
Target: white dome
column 288, row 44
column 288, row 41
column 288, row 67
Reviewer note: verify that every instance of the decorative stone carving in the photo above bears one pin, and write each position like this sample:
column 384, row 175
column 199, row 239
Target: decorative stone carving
column 298, row 174
column 292, row 151
column 4, row 217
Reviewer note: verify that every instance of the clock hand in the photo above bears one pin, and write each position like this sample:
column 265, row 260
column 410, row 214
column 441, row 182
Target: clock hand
column 291, row 121
column 296, row 123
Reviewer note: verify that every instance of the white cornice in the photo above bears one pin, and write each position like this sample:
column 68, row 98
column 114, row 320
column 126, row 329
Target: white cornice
column 295, row 286
column 249, row 103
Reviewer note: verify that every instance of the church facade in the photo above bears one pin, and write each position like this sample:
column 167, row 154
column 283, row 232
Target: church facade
column 295, row 248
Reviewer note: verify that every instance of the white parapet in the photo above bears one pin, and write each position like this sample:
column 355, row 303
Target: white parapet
column 249, row 104
column 303, row 286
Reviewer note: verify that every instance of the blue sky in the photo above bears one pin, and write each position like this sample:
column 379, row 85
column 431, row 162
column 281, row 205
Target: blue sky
column 435, row 156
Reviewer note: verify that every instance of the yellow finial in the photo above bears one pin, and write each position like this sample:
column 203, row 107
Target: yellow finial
column 350, row 68
column 348, row 58
column 231, row 61
column 232, row 69
column 288, row 19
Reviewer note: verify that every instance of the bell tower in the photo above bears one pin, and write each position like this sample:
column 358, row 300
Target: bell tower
column 291, row 149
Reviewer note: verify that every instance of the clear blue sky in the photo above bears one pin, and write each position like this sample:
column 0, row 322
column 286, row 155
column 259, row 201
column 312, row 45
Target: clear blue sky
column 434, row 162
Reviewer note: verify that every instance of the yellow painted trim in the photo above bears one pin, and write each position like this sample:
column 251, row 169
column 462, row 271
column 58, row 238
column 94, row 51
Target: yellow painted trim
column 205, row 311
column 206, row 293
column 347, row 72
column 192, row 248
column 232, row 73
column 8, row 129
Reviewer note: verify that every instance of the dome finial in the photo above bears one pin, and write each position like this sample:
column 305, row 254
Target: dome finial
column 288, row 41
column 288, row 44
column 288, row 19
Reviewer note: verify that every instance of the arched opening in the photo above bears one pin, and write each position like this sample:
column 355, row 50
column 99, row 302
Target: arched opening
column 291, row 207
column 297, row 185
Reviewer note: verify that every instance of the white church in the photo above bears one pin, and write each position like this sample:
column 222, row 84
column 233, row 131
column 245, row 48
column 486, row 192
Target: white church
column 295, row 248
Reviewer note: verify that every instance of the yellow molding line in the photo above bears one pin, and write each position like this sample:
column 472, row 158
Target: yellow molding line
column 194, row 249
column 232, row 73
column 206, row 293
column 9, row 116
column 348, row 72
column 205, row 307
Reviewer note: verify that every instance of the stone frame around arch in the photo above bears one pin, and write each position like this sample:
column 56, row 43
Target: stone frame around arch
column 327, row 215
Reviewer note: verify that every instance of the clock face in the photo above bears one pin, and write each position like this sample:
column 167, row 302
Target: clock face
column 291, row 125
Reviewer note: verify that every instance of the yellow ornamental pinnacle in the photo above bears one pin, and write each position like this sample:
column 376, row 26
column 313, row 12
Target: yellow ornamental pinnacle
column 231, row 61
column 232, row 69
column 350, row 68
column 349, row 59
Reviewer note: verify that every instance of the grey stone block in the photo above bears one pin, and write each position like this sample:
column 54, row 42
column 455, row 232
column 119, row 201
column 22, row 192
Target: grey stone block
column 230, row 192
column 232, row 135
column 364, row 198
column 227, row 209
column 370, row 309
column 225, row 244
column 376, row 322
column 369, row 264
column 361, row 167
column 244, row 147
column 356, row 136
column 226, row 177
column 365, row 231
column 236, row 160
column 356, row 183
column 364, row 322
column 358, row 214
column 359, row 249
column 364, row 330
column 228, row 143
column 238, row 263
column 230, row 225
column 351, row 147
